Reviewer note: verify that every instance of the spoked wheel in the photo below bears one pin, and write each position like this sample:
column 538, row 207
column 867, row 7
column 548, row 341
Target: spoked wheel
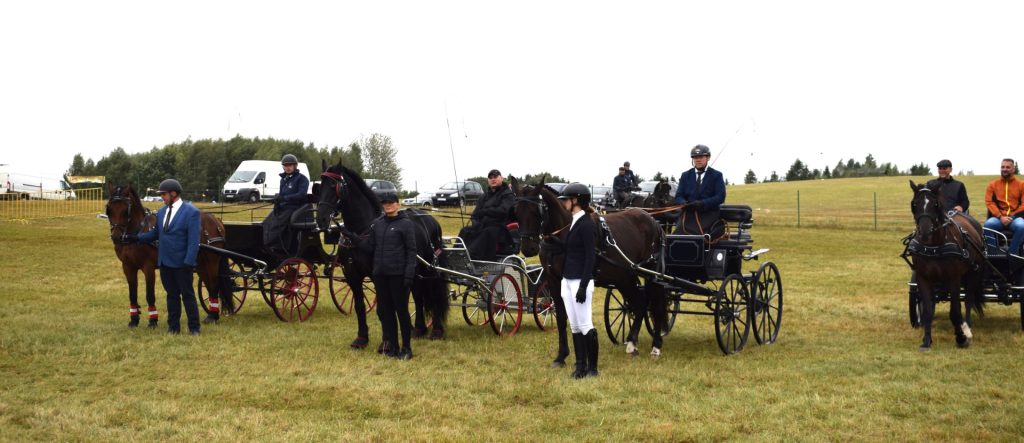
column 341, row 292
column 732, row 314
column 618, row 319
column 474, row 301
column 673, row 309
column 294, row 290
column 506, row 306
column 239, row 289
column 766, row 288
column 544, row 308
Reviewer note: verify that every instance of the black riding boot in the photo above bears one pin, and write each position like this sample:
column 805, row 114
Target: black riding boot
column 579, row 346
column 591, row 340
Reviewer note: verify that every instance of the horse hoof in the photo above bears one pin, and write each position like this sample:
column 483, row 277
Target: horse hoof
column 963, row 343
column 133, row 324
column 152, row 324
column 558, row 364
column 419, row 332
column 359, row 343
column 437, row 334
column 924, row 348
column 631, row 349
column 209, row 320
column 655, row 353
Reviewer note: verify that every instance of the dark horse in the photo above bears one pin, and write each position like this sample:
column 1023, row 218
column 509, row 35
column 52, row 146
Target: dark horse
column 947, row 251
column 127, row 216
column 634, row 231
column 343, row 191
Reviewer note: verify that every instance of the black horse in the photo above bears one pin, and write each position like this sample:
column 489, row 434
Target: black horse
column 637, row 235
column 947, row 251
column 343, row 191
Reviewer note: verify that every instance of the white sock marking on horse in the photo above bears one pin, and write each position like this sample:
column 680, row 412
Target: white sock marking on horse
column 630, row 348
column 655, row 352
column 967, row 330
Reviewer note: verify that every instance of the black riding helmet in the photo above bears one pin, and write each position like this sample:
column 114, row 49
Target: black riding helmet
column 700, row 151
column 289, row 159
column 389, row 197
column 578, row 190
column 170, row 185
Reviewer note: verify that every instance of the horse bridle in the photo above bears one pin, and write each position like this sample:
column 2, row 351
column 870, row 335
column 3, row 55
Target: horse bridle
column 122, row 226
column 339, row 184
column 937, row 222
column 542, row 208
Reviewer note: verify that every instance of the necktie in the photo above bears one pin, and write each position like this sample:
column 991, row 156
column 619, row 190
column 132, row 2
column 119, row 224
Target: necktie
column 167, row 219
column 700, row 175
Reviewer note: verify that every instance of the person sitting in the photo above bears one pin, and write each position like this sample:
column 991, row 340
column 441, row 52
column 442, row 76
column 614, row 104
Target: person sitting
column 621, row 185
column 292, row 195
column 702, row 190
column 1003, row 200
column 953, row 192
column 489, row 219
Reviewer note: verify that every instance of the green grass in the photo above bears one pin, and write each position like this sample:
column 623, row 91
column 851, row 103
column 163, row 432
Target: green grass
column 846, row 366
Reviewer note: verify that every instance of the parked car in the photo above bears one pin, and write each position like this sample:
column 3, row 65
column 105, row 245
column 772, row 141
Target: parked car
column 647, row 187
column 454, row 192
column 380, row 186
column 600, row 194
column 421, row 199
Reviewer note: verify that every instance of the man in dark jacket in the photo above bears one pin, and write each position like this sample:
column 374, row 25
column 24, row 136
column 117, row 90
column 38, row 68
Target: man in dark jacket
column 392, row 241
column 177, row 229
column 488, row 222
column 953, row 192
column 291, row 196
column 702, row 190
column 621, row 185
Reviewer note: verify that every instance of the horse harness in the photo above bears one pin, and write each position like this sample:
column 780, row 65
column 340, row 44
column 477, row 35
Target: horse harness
column 948, row 249
column 126, row 227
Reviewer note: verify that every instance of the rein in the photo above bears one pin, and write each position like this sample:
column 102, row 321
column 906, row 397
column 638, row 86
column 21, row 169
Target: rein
column 126, row 228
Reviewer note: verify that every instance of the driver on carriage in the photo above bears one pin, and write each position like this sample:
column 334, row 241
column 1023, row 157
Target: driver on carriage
column 490, row 218
column 953, row 192
column 292, row 196
column 702, row 190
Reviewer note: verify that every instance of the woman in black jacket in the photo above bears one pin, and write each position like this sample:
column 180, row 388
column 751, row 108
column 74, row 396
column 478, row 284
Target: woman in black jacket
column 393, row 243
column 578, row 278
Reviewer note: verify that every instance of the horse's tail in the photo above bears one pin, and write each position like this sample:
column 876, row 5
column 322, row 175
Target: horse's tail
column 438, row 285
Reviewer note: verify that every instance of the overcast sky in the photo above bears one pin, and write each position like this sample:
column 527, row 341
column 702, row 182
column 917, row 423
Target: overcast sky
column 573, row 88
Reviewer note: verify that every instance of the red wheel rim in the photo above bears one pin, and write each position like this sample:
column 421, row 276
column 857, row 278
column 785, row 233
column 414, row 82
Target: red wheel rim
column 294, row 290
column 506, row 306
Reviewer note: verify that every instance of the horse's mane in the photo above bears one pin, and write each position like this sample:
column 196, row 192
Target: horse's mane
column 358, row 184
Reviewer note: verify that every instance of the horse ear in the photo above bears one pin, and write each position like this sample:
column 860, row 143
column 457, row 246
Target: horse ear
column 339, row 161
column 913, row 187
column 110, row 188
column 323, row 165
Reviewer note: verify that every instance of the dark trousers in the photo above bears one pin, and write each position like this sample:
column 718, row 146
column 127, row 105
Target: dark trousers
column 393, row 309
column 178, row 284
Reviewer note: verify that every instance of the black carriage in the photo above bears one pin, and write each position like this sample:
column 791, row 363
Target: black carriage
column 697, row 270
column 289, row 280
column 1002, row 281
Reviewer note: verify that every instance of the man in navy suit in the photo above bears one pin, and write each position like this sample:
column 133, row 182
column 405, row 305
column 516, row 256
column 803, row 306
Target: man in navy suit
column 178, row 231
column 702, row 190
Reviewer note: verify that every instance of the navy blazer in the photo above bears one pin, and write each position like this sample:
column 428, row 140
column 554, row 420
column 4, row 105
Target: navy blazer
column 293, row 191
column 580, row 252
column 711, row 192
column 179, row 244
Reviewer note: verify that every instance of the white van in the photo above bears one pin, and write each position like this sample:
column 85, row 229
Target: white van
column 256, row 180
column 26, row 186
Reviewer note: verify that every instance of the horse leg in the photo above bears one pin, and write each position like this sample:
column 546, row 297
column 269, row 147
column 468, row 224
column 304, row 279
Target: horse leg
column 562, row 321
column 960, row 328
column 226, row 287
column 655, row 294
column 438, row 295
column 638, row 308
column 207, row 270
column 132, row 275
column 927, row 301
column 363, row 332
column 149, row 271
column 419, row 298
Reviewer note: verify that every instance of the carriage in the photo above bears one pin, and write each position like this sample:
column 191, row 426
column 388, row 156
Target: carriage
column 289, row 282
column 495, row 293
column 695, row 271
column 1002, row 280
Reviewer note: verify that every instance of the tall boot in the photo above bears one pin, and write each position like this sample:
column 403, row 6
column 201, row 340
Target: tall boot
column 580, row 348
column 591, row 339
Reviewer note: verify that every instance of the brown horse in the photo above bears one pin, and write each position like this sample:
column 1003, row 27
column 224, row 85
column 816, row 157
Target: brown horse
column 637, row 237
column 127, row 215
column 947, row 250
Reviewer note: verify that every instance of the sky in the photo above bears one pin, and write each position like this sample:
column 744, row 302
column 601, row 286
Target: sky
column 572, row 88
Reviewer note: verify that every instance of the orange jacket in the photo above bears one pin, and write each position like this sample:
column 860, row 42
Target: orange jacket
column 1003, row 197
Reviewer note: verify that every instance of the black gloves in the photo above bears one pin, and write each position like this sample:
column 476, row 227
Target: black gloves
column 130, row 238
column 581, row 293
column 696, row 204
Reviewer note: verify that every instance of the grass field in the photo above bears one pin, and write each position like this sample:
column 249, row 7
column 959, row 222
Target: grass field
column 846, row 366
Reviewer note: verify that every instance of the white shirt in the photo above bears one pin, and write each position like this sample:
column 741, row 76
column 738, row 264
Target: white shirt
column 575, row 217
column 175, row 207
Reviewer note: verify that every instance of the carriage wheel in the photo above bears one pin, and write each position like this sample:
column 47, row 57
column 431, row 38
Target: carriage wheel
column 766, row 287
column 544, row 308
column 240, row 289
column 506, row 306
column 732, row 314
column 341, row 292
column 914, row 303
column 673, row 310
column 474, row 302
column 294, row 290
column 618, row 319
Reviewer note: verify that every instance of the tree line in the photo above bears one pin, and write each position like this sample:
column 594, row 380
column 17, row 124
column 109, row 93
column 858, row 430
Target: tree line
column 202, row 166
column 844, row 169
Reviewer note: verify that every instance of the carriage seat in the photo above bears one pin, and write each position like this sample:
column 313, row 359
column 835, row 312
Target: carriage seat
column 302, row 218
column 736, row 213
column 509, row 245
